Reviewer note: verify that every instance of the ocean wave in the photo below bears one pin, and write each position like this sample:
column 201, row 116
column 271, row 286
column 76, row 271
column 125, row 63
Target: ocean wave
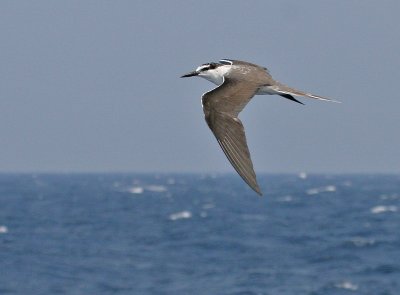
column 362, row 242
column 302, row 175
column 383, row 209
column 136, row 190
column 286, row 198
column 347, row 285
column 389, row 197
column 3, row 229
column 156, row 188
column 151, row 188
column 180, row 215
column 315, row 191
column 208, row 206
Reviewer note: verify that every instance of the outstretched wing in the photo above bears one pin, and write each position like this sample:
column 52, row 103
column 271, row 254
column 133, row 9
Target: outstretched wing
column 221, row 107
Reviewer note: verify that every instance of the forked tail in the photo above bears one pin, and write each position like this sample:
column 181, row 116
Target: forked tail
column 288, row 92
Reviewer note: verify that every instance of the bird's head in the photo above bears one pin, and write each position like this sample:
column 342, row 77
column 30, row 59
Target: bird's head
column 213, row 72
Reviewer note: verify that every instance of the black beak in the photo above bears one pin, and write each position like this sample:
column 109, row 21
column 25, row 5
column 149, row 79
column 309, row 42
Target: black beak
column 191, row 74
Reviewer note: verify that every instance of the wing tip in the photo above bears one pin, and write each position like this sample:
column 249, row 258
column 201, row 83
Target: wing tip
column 256, row 188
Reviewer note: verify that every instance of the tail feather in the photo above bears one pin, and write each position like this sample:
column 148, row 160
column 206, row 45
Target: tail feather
column 319, row 97
column 285, row 90
column 288, row 96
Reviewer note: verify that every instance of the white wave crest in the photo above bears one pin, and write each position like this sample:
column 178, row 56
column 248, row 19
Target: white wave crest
column 136, row 190
column 315, row 191
column 382, row 209
column 3, row 229
column 156, row 188
column 180, row 215
column 347, row 285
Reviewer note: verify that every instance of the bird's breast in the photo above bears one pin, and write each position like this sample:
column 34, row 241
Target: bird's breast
column 216, row 79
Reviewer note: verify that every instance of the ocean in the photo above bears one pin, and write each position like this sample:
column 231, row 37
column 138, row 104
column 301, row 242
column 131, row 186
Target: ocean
column 199, row 234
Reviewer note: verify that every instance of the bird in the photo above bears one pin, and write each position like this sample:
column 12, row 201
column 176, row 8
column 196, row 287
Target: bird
column 237, row 82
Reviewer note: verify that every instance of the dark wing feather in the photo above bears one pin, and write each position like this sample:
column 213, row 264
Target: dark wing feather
column 221, row 107
column 232, row 139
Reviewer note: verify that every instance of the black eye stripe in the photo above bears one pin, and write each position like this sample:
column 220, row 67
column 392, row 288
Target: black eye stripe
column 209, row 66
column 212, row 66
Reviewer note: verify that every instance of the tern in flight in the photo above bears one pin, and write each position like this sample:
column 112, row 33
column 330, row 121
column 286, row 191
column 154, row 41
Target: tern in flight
column 238, row 82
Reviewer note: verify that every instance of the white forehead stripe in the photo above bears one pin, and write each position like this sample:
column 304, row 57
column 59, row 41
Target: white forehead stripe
column 202, row 67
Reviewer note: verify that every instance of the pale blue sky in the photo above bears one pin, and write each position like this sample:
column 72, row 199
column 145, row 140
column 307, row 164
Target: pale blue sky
column 94, row 85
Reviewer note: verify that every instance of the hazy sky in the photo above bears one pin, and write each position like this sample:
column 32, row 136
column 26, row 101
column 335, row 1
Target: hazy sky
column 94, row 85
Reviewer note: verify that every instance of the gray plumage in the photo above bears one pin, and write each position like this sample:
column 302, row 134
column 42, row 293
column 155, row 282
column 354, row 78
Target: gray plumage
column 222, row 105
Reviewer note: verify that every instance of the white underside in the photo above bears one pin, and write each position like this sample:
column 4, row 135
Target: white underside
column 267, row 90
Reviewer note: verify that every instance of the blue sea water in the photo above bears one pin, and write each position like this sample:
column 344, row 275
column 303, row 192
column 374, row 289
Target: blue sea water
column 199, row 234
